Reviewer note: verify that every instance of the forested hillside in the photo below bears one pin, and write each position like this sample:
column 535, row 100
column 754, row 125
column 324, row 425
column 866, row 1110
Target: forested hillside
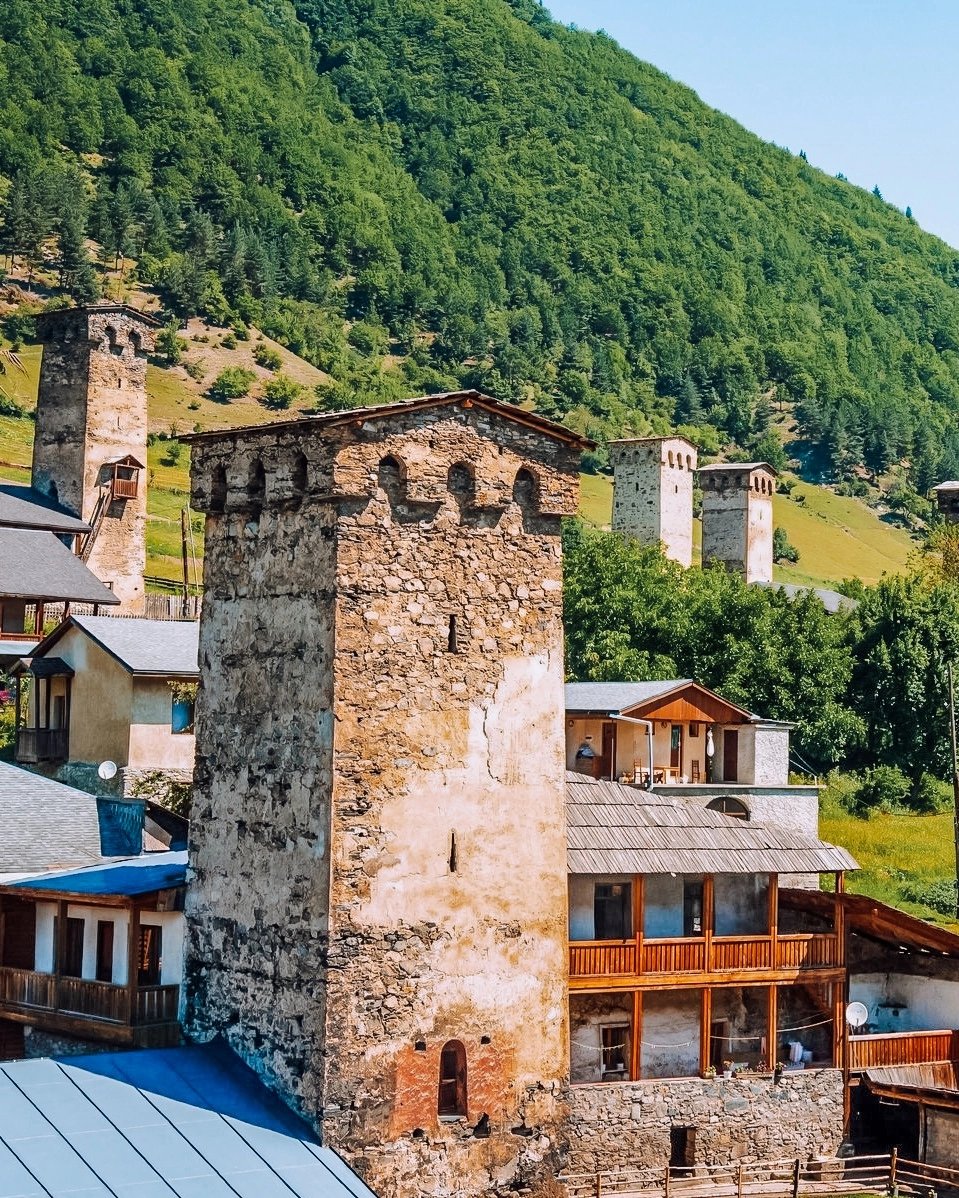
column 417, row 193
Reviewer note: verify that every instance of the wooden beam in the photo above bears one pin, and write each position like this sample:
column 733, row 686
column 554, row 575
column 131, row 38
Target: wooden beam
column 133, row 956
column 636, row 1038
column 639, row 911
column 772, row 1028
column 705, row 1029
column 709, row 904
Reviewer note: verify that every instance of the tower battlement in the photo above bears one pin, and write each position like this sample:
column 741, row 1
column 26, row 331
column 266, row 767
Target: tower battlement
column 738, row 517
column 653, row 481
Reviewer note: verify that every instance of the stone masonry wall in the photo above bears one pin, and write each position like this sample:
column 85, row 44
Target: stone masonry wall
column 653, row 492
column 385, row 637
column 92, row 411
column 626, row 1124
column 738, row 521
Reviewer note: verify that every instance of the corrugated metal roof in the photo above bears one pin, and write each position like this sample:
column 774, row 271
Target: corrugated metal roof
column 44, row 824
column 159, row 871
column 25, row 507
column 617, row 696
column 832, row 601
column 35, row 565
column 615, row 829
column 164, row 647
column 157, row 1123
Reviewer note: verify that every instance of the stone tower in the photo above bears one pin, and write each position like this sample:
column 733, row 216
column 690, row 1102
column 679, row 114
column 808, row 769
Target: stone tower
column 738, row 517
column 378, row 917
column 653, row 492
column 947, row 501
column 90, row 443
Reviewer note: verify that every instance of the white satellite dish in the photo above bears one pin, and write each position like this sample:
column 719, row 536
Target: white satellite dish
column 107, row 770
column 856, row 1014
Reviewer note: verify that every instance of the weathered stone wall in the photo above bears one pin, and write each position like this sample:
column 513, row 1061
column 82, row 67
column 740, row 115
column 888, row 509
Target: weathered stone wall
column 379, row 827
column 738, row 520
column 92, row 411
column 653, row 481
column 626, row 1124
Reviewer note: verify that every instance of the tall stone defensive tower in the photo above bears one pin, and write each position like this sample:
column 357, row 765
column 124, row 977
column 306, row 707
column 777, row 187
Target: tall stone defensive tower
column 653, row 492
column 378, row 920
column 90, row 443
column 738, row 517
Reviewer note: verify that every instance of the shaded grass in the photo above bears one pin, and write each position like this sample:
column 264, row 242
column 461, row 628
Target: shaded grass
column 894, row 853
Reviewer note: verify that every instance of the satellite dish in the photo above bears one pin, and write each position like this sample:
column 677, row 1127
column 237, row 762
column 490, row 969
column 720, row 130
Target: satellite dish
column 107, row 770
column 856, row 1014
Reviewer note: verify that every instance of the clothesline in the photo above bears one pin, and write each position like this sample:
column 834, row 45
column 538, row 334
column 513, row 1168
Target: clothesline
column 802, row 1027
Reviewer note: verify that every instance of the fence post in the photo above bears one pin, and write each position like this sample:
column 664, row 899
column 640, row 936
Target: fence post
column 893, row 1162
column 599, row 1185
column 739, row 1182
column 666, row 1186
column 796, row 1168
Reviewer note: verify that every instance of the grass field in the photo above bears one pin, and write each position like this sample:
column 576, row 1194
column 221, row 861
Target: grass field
column 898, row 854
column 837, row 537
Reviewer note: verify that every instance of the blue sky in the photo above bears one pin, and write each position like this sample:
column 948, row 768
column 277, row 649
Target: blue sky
column 866, row 87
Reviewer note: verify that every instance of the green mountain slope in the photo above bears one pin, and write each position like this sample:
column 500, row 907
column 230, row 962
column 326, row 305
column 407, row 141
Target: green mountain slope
column 414, row 193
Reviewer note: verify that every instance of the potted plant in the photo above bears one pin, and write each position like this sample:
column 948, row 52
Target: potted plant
column 778, row 1072
column 727, row 1068
column 709, row 1072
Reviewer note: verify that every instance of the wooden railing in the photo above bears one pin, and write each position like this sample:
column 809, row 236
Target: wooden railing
column 902, row 1048
column 125, row 488
column 697, row 954
column 42, row 744
column 29, row 990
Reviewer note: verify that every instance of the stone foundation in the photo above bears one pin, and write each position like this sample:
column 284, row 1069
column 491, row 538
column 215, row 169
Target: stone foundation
column 626, row 1124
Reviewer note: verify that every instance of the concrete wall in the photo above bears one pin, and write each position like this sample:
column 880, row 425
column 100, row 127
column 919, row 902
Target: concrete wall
column 941, row 1136
column 92, row 411
column 903, row 1002
column 588, row 1015
column 738, row 521
column 346, row 740
column 627, row 1124
column 670, row 1044
column 653, row 493
column 101, row 701
column 153, row 743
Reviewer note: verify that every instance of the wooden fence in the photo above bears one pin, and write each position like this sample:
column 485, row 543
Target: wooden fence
column 698, row 954
column 887, row 1174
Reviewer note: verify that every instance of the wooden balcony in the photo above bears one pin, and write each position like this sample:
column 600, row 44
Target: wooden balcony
column 902, row 1048
column 624, row 961
column 124, row 488
column 42, row 744
column 99, row 1010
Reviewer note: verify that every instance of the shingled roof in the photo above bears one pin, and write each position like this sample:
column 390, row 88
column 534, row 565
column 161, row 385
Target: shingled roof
column 44, row 824
column 35, row 565
column 160, row 648
column 616, row 829
column 25, row 507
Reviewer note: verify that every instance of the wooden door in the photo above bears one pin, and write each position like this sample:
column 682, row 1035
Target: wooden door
column 676, row 747
column 730, row 755
column 607, row 757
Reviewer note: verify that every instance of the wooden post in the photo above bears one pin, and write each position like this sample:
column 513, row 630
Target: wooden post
column 666, row 1182
column 739, row 1182
column 773, row 919
column 709, row 899
column 772, row 1020
column 893, row 1162
column 636, row 1039
column 705, row 1030
column 599, row 1185
column 955, row 781
column 133, row 960
column 639, row 903
column 186, row 562
column 60, row 950
column 796, row 1168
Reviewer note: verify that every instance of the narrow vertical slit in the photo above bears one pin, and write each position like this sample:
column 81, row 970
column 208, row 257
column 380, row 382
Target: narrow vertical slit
column 451, row 642
column 452, row 852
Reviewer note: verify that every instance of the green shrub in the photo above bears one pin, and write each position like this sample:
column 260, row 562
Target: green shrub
column 229, row 341
column 232, row 383
column 884, row 789
column 939, row 895
column 281, row 392
column 174, row 451
column 196, row 370
column 783, row 549
column 930, row 794
column 267, row 357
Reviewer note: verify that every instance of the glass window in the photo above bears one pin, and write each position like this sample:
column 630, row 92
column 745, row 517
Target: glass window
column 612, row 910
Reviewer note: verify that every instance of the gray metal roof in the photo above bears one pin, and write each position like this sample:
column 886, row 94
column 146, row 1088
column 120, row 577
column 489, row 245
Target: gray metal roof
column 166, row 648
column 617, row 696
column 44, row 824
column 157, row 1123
column 723, row 467
column 832, row 601
column 24, row 507
column 615, row 829
column 35, row 565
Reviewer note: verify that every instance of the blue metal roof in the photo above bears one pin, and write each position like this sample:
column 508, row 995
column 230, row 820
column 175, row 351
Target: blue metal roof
column 160, row 1123
column 128, row 880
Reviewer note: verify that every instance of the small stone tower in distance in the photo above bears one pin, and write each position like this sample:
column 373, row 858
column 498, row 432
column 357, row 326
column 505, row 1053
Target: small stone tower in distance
column 90, row 443
column 738, row 517
column 378, row 918
column 947, row 501
column 653, row 492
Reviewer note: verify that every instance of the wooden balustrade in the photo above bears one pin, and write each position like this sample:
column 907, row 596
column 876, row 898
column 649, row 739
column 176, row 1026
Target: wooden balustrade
column 42, row 744
column 675, row 955
column 696, row 954
column 27, row 989
column 902, row 1048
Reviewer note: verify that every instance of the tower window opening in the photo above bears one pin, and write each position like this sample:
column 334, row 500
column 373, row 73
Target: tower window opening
column 452, row 643
column 451, row 1103
column 256, row 484
column 452, row 860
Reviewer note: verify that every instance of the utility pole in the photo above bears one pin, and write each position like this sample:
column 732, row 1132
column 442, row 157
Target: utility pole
column 955, row 780
column 186, row 590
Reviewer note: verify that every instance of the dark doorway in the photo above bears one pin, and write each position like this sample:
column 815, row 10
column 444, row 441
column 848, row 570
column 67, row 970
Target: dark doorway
column 676, row 747
column 730, row 755
column 72, row 964
column 104, row 950
column 607, row 758
column 148, row 965
column 612, row 910
column 682, row 1150
column 693, row 907
column 19, row 920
